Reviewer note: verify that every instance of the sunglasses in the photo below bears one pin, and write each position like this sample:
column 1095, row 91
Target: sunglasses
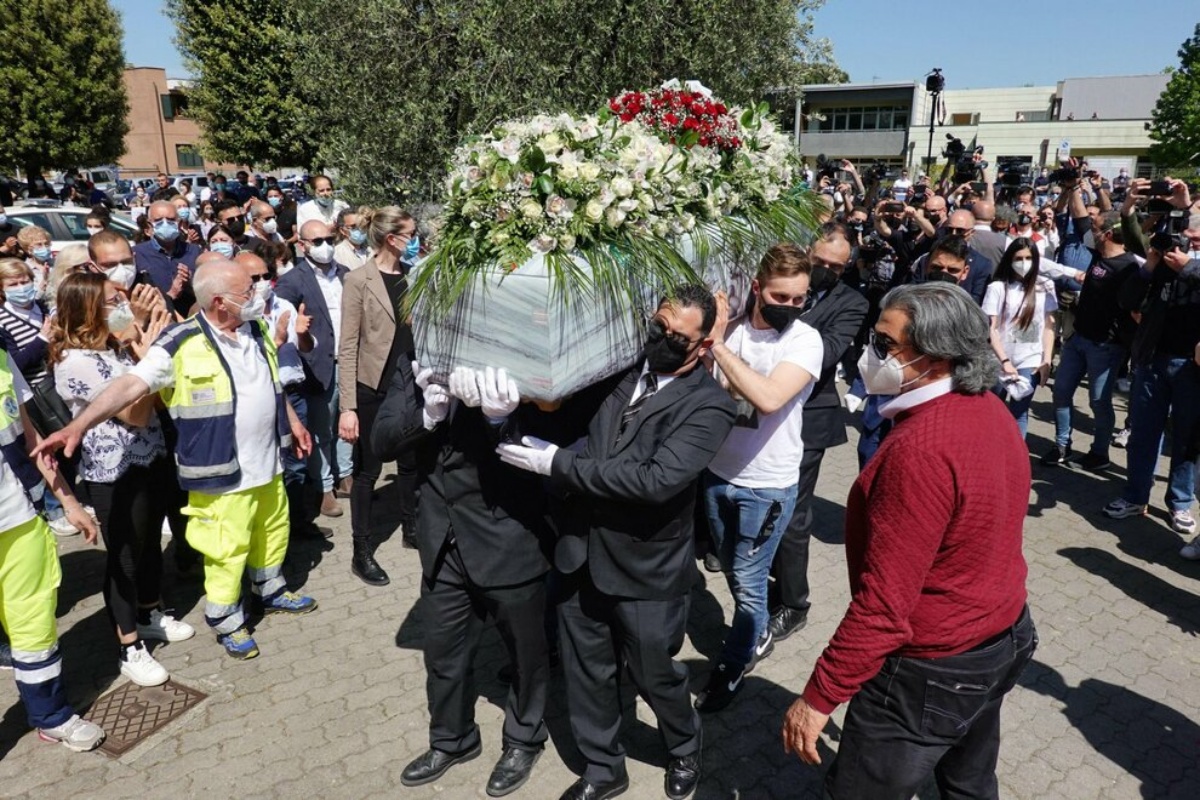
column 262, row 276
column 322, row 240
column 882, row 345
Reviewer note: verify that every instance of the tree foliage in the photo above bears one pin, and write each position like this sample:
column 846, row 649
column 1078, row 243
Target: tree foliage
column 241, row 53
column 62, row 93
column 400, row 82
column 1176, row 123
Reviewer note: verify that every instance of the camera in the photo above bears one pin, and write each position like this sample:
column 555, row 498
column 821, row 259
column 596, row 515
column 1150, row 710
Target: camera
column 1064, row 175
column 876, row 172
column 955, row 148
column 1170, row 234
column 826, row 168
column 1159, row 189
column 894, row 207
column 1015, row 172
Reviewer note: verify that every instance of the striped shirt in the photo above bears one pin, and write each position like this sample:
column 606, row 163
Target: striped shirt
column 25, row 327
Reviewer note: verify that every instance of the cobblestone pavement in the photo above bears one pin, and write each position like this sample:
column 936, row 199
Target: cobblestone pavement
column 335, row 706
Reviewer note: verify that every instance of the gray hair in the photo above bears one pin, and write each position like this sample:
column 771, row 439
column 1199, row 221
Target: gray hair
column 214, row 279
column 946, row 324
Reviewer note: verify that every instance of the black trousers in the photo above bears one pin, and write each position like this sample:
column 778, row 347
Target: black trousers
column 130, row 511
column 368, row 466
column 922, row 715
column 454, row 612
column 790, row 566
column 597, row 634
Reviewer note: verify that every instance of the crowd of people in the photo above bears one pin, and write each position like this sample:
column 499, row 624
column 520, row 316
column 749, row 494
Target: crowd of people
column 249, row 364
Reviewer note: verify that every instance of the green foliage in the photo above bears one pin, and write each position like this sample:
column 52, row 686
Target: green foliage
column 62, row 95
column 241, row 53
column 1176, row 126
column 399, row 83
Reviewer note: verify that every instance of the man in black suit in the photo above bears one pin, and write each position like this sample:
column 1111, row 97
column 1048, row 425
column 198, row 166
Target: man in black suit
column 485, row 546
column 316, row 281
column 837, row 312
column 626, row 553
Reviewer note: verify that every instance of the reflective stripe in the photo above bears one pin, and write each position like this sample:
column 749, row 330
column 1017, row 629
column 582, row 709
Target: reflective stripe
column 270, row 588
column 10, row 434
column 259, row 574
column 215, row 471
column 34, row 656
column 41, row 675
column 224, row 619
column 203, row 412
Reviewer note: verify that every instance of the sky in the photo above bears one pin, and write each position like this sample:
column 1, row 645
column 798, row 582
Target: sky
column 888, row 41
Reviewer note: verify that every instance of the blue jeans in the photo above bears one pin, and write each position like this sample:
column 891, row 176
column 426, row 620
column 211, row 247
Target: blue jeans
column 746, row 526
column 1100, row 362
column 1020, row 408
column 1167, row 386
column 327, row 446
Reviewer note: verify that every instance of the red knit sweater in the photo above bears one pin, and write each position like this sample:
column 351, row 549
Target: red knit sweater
column 933, row 542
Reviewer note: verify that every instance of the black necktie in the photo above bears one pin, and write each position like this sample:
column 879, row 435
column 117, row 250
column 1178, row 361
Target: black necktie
column 633, row 408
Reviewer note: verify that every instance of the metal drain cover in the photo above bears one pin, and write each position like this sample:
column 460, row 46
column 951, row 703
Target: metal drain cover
column 131, row 713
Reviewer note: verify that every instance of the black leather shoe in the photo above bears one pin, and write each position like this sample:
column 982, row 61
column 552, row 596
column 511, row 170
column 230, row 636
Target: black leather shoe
column 682, row 776
column 787, row 621
column 366, row 567
column 511, row 771
column 582, row 790
column 432, row 764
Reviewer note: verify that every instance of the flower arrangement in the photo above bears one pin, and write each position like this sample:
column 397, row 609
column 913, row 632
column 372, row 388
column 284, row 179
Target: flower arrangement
column 620, row 189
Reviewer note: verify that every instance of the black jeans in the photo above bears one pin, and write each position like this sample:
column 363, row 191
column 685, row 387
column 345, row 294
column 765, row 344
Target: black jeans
column 790, row 566
column 938, row 714
column 368, row 466
column 130, row 511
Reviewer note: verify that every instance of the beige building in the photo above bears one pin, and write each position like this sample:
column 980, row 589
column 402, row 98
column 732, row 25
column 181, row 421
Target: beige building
column 1104, row 120
column 161, row 138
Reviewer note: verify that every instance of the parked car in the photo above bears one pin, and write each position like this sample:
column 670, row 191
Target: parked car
column 65, row 223
column 149, row 184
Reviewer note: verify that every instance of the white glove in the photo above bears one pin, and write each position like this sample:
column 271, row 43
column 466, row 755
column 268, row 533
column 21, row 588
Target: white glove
column 498, row 393
column 464, row 386
column 536, row 455
column 437, row 405
column 422, row 375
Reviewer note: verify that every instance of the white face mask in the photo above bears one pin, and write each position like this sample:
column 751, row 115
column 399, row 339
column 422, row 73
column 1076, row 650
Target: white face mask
column 270, row 226
column 1022, row 266
column 122, row 275
column 119, row 318
column 321, row 253
column 283, row 269
column 885, row 377
column 253, row 308
column 263, row 290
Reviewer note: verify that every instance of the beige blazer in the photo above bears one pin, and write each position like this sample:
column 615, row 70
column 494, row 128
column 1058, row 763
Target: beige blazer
column 368, row 328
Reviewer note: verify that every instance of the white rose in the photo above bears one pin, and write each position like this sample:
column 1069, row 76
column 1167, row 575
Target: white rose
column 531, row 209
column 587, row 131
column 589, row 171
column 660, row 229
column 615, row 217
column 474, row 175
column 566, row 242
column 550, row 144
column 527, row 179
column 594, row 210
column 628, row 204
column 543, row 243
column 622, row 187
column 509, row 148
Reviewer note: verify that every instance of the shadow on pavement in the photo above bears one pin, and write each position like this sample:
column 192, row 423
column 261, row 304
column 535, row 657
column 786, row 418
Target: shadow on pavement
column 1151, row 741
column 1181, row 608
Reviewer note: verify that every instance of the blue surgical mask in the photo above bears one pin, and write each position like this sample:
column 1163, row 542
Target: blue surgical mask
column 413, row 249
column 224, row 248
column 358, row 237
column 166, row 230
column 41, row 253
column 22, row 295
column 275, row 202
column 325, row 202
column 185, row 213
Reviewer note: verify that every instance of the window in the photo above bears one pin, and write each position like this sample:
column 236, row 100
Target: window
column 76, row 224
column 174, row 104
column 870, row 118
column 188, row 156
column 968, row 118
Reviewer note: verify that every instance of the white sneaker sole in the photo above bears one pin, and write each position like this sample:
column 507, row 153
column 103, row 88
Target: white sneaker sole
column 157, row 635
column 78, row 748
column 143, row 681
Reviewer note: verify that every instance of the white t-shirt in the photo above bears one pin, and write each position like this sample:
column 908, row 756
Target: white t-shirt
column 768, row 456
column 900, row 189
column 15, row 508
column 254, row 420
column 311, row 209
column 1022, row 345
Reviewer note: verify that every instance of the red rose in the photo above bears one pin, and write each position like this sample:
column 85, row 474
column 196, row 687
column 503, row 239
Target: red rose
column 671, row 119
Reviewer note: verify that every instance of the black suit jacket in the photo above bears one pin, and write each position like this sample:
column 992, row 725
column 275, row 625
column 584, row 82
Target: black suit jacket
column 838, row 317
column 629, row 506
column 498, row 513
column 300, row 286
column 979, row 274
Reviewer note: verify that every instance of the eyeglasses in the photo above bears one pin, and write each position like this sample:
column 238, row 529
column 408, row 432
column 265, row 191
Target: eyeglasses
column 234, row 218
column 959, row 231
column 677, row 338
column 881, row 344
column 321, row 240
column 262, row 276
column 265, row 218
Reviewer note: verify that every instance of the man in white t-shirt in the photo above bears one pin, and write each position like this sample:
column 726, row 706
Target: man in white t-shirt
column 324, row 207
column 768, row 363
column 901, row 187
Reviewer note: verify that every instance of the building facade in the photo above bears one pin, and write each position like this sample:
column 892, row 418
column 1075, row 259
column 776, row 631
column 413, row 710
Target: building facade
column 162, row 137
column 1104, row 120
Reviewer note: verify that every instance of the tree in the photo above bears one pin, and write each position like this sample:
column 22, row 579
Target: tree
column 240, row 53
column 62, row 90
column 402, row 81
column 1176, row 122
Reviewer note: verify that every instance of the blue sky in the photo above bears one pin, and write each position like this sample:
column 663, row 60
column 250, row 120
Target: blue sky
column 899, row 40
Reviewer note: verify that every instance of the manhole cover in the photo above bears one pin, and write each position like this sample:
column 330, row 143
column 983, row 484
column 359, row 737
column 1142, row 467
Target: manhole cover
column 131, row 713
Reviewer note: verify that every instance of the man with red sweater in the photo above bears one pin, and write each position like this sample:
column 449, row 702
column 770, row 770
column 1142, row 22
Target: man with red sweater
column 937, row 631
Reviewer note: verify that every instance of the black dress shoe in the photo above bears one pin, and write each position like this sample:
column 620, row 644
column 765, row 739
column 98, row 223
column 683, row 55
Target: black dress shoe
column 432, row 764
column 511, row 771
column 787, row 621
column 366, row 567
column 682, row 776
column 582, row 790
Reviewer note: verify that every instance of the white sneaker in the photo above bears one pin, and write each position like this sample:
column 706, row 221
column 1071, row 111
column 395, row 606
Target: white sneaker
column 75, row 734
column 62, row 527
column 166, row 529
column 1183, row 522
column 165, row 628
column 141, row 668
column 1191, row 550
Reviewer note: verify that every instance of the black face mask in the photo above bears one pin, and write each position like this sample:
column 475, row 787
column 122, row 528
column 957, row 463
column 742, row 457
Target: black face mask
column 663, row 354
column 237, row 227
column 780, row 316
column 942, row 275
column 822, row 279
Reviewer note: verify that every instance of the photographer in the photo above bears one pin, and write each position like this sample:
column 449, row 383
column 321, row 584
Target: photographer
column 1166, row 291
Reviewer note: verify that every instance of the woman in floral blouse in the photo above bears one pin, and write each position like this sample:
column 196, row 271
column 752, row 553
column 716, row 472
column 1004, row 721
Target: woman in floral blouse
column 124, row 461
